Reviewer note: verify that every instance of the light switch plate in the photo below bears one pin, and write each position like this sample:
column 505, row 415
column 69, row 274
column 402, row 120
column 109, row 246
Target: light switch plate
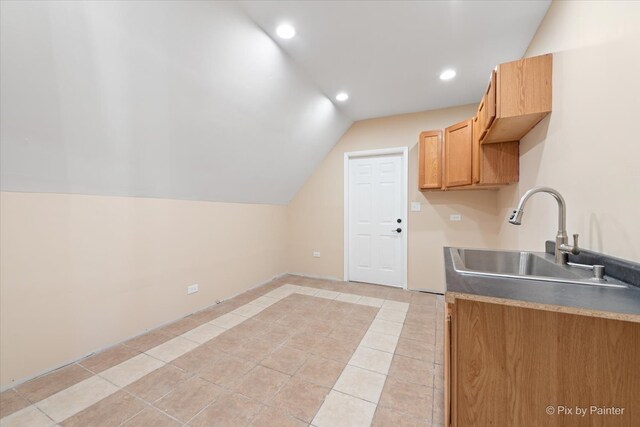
column 455, row 217
column 416, row 207
column 316, row 254
column 192, row 289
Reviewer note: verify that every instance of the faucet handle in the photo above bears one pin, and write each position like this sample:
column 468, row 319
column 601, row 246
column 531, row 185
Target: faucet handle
column 575, row 249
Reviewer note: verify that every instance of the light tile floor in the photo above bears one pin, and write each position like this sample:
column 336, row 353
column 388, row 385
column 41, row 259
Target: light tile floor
column 294, row 352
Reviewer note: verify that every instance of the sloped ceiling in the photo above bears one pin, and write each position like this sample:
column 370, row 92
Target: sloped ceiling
column 195, row 100
column 183, row 100
column 388, row 55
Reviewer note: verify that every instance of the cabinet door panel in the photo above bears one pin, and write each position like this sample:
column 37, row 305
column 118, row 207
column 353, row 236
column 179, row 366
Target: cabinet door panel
column 512, row 363
column 450, row 379
column 525, row 86
column 499, row 163
column 430, row 160
column 487, row 108
column 490, row 104
column 482, row 114
column 458, row 149
column 475, row 167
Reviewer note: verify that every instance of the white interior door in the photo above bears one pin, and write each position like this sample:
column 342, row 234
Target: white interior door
column 376, row 220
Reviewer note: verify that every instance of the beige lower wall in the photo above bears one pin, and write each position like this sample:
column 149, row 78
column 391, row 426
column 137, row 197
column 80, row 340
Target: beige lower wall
column 589, row 147
column 80, row 273
column 316, row 215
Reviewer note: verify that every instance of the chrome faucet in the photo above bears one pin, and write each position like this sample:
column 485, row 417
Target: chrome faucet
column 562, row 248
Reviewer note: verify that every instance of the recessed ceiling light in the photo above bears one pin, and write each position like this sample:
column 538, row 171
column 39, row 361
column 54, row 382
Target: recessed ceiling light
column 447, row 74
column 342, row 97
column 285, row 31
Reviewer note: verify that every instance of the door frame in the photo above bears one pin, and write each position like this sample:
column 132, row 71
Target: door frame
column 404, row 152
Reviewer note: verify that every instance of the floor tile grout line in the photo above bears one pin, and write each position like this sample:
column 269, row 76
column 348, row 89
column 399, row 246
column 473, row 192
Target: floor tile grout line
column 47, row 415
column 135, row 397
column 150, row 403
column 274, row 294
column 147, row 406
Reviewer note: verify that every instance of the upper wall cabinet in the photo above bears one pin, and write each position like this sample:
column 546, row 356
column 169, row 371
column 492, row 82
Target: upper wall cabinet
column 455, row 159
column 484, row 152
column 517, row 98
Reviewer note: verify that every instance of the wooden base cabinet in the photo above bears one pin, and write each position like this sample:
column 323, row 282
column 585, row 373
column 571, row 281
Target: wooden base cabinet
column 514, row 366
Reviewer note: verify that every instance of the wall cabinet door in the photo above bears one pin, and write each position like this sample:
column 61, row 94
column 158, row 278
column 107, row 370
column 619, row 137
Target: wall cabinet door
column 494, row 164
column 458, row 141
column 498, row 164
column 522, row 98
column 487, row 108
column 525, row 86
column 490, row 104
column 475, row 153
column 430, row 169
column 481, row 115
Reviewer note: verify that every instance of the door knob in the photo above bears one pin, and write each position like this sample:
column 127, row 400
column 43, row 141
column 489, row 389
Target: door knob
column 397, row 230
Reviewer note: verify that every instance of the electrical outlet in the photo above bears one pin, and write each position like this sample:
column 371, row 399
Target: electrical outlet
column 416, row 207
column 316, row 254
column 192, row 289
column 455, row 217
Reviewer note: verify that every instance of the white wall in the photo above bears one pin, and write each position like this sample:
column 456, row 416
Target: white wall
column 170, row 99
column 588, row 148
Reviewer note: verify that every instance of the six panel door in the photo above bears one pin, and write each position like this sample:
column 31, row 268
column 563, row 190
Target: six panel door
column 376, row 204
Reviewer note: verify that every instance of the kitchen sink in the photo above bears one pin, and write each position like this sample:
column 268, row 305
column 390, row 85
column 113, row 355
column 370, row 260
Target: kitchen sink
column 523, row 265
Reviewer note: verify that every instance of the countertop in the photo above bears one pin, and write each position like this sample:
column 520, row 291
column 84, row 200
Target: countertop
column 611, row 303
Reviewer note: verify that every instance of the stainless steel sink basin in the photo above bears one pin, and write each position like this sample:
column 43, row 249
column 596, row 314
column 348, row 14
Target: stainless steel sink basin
column 523, row 265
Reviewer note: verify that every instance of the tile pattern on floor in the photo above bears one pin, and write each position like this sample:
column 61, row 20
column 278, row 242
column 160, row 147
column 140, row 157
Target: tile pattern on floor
column 296, row 351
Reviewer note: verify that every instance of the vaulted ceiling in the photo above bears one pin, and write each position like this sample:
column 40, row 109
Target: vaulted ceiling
column 199, row 100
column 388, row 55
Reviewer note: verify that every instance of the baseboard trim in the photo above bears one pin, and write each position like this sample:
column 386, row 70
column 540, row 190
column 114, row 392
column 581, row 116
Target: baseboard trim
column 317, row 276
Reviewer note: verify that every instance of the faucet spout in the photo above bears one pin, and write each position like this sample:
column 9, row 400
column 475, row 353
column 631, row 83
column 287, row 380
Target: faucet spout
column 562, row 248
column 516, row 217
